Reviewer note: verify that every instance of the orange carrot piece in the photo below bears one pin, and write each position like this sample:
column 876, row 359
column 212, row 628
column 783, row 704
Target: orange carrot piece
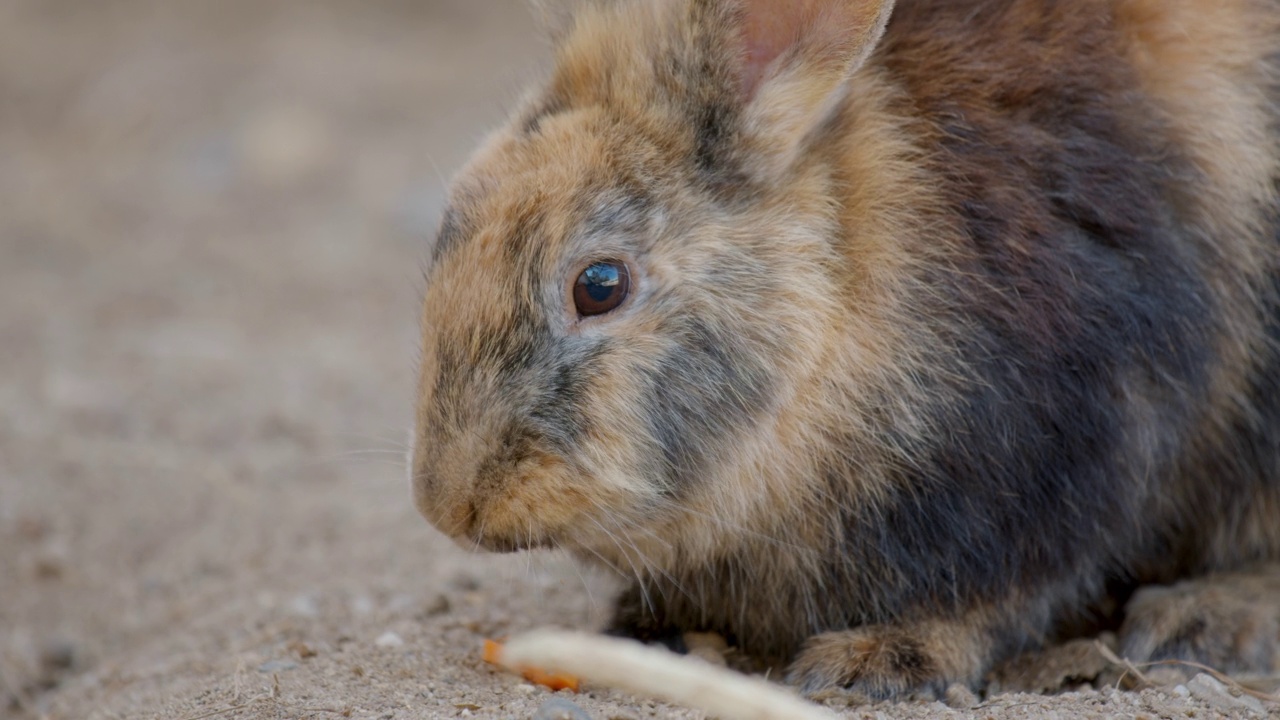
column 555, row 681
column 492, row 654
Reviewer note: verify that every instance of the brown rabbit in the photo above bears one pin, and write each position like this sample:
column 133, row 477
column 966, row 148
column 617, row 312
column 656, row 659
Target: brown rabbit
column 886, row 341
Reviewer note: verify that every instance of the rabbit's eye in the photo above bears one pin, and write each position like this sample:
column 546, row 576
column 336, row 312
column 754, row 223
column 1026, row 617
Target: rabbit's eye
column 601, row 287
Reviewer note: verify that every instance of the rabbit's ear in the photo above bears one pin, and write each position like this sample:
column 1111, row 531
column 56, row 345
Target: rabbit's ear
column 807, row 45
column 796, row 58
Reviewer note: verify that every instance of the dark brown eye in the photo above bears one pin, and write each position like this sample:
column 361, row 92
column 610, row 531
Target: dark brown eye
column 601, row 287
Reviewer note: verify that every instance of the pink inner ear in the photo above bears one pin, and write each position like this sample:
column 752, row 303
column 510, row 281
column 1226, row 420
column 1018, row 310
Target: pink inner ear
column 770, row 28
column 773, row 27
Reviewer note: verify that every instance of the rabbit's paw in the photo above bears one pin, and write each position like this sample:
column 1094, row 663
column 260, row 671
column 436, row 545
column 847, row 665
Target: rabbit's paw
column 1229, row 622
column 883, row 662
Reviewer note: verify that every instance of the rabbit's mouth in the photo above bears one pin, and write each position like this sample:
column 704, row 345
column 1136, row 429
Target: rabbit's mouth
column 531, row 505
column 506, row 544
column 480, row 527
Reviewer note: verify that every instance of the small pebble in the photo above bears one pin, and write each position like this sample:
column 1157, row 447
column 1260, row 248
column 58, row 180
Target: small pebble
column 1208, row 689
column 302, row 649
column 558, row 708
column 960, row 697
column 272, row 666
column 526, row 688
column 439, row 606
column 48, row 567
column 57, row 656
column 388, row 640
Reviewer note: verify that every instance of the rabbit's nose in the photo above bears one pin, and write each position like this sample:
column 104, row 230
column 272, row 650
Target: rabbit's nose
column 452, row 512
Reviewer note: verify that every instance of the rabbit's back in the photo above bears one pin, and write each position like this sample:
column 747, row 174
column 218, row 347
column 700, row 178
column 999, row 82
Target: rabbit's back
column 1112, row 167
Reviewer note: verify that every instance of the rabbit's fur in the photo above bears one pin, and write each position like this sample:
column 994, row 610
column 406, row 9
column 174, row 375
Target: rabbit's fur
column 951, row 322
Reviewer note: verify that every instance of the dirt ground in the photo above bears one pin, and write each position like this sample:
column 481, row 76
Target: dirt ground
column 212, row 214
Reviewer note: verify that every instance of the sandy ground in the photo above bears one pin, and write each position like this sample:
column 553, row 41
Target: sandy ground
column 212, row 214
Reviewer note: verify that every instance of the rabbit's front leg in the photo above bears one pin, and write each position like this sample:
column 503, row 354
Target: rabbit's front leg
column 638, row 615
column 906, row 660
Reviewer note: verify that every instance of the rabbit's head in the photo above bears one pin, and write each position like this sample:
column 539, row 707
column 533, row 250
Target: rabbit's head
column 634, row 278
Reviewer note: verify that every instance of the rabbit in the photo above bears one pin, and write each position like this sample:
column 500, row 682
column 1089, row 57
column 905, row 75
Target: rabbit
column 887, row 340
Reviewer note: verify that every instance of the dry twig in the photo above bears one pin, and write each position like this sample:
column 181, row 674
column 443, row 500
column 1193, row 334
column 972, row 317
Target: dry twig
column 1215, row 674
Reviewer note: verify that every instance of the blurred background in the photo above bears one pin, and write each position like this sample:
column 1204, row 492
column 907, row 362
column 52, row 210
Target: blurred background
column 212, row 217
